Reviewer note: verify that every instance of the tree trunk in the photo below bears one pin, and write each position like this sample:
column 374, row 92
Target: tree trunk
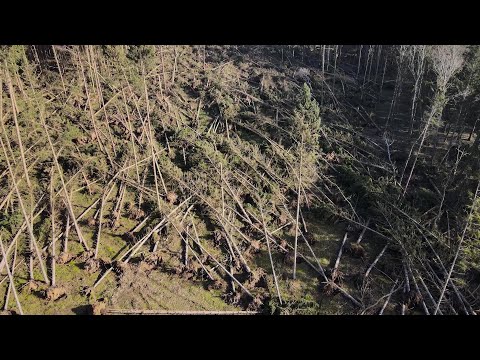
column 298, row 212
column 375, row 261
column 10, row 277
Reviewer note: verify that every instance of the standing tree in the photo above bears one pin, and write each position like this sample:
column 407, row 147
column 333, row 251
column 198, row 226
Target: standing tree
column 446, row 61
column 416, row 64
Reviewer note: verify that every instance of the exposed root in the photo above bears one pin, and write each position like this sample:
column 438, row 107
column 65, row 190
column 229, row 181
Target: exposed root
column 257, row 279
column 282, row 219
column 172, row 197
column 329, row 288
column 85, row 256
column 337, row 276
column 120, row 268
column 356, row 250
column 258, row 302
column 216, row 285
column 32, row 285
column 91, row 221
column 139, row 214
column 413, row 298
column 64, row 258
column 284, row 245
column 93, row 265
column 54, row 293
column 98, row 308
column 255, row 246
column 7, row 312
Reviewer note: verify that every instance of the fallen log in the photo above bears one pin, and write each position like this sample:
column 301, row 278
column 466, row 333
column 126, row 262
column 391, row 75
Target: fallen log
column 174, row 312
column 375, row 261
column 388, row 298
column 363, row 232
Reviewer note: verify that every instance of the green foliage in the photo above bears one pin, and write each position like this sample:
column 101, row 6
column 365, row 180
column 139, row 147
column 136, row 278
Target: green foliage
column 44, row 229
column 9, row 222
column 72, row 133
column 139, row 52
column 357, row 185
column 306, row 121
column 115, row 53
column 228, row 108
column 425, row 199
column 12, row 56
column 470, row 253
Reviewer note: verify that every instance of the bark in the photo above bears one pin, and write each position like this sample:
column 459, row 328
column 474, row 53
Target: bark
column 340, row 251
column 10, row 277
column 363, row 231
column 388, row 298
column 270, row 256
column 60, row 173
column 298, row 210
column 375, row 261
column 25, row 215
column 449, row 275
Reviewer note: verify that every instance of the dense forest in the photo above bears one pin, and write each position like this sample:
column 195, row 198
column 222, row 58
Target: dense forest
column 322, row 179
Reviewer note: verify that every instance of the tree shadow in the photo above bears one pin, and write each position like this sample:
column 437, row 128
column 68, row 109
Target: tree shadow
column 82, row 310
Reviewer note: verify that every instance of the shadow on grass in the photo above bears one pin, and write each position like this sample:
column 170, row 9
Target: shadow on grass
column 82, row 310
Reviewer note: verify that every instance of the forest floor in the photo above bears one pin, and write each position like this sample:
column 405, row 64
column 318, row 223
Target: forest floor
column 141, row 288
column 170, row 286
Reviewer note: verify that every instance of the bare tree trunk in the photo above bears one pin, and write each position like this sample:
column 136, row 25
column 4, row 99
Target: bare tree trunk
column 66, row 232
column 371, row 51
column 416, row 56
column 174, row 65
column 398, row 85
column 323, row 61
column 433, row 113
column 425, row 308
column 92, row 115
column 298, row 211
column 270, row 256
column 383, row 73
column 375, row 261
column 449, row 275
column 337, row 261
column 10, row 277
column 388, row 298
column 359, row 59
column 224, row 269
column 4, row 131
column 60, row 173
column 429, row 294
column 10, row 284
column 52, row 214
column 446, row 185
column 379, row 53
column 473, row 130
column 100, row 95
column 25, row 215
column 59, row 69
column 363, row 231
column 17, row 128
column 337, row 51
column 99, row 230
